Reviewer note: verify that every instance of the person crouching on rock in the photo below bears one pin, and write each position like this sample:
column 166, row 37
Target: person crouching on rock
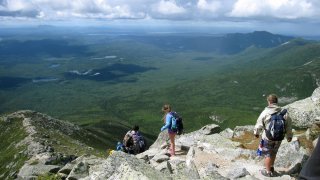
column 167, row 119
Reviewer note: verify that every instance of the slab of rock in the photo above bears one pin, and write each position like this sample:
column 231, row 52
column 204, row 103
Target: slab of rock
column 241, row 130
column 28, row 171
column 237, row 172
column 305, row 112
column 160, row 158
column 290, row 154
column 164, row 167
column 210, row 129
column 227, row 133
column 120, row 165
column 182, row 171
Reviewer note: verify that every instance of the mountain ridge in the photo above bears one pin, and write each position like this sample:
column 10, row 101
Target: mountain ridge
column 226, row 44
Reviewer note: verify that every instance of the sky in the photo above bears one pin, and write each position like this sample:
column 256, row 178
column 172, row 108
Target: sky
column 283, row 16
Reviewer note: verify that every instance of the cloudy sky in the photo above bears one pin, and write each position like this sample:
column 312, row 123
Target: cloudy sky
column 301, row 16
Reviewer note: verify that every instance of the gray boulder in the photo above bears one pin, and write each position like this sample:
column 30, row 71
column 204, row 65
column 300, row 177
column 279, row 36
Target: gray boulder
column 210, row 129
column 164, row 167
column 305, row 112
column 290, row 155
column 161, row 140
column 30, row 171
column 159, row 158
column 120, row 165
column 80, row 170
column 241, row 130
column 186, row 172
column 227, row 133
column 210, row 171
column 237, row 172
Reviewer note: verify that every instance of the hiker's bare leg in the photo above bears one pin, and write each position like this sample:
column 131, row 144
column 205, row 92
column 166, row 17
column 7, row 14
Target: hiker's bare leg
column 267, row 163
column 172, row 144
column 273, row 158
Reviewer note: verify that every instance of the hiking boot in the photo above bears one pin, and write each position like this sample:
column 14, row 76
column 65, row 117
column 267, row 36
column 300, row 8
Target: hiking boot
column 272, row 169
column 266, row 173
column 274, row 173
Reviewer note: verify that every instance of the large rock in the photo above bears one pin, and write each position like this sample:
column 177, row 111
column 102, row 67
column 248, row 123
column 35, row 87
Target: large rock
column 241, row 130
column 120, row 165
column 161, row 140
column 291, row 155
column 80, row 170
column 159, row 158
column 237, row 172
column 210, row 171
column 210, row 129
column 31, row 171
column 305, row 112
column 227, row 133
column 186, row 172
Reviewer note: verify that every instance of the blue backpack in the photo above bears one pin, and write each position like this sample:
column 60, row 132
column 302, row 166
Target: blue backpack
column 176, row 123
column 276, row 130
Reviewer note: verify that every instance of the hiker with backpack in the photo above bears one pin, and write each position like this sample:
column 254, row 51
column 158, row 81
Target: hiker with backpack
column 173, row 122
column 134, row 142
column 276, row 124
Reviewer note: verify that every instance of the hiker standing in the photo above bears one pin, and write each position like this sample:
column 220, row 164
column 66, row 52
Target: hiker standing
column 271, row 145
column 167, row 119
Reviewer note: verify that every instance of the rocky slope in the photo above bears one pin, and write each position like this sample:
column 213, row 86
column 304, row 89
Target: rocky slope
column 35, row 145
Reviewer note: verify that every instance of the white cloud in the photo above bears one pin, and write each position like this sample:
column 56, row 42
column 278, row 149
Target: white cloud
column 284, row 9
column 17, row 5
column 207, row 10
column 209, row 6
column 168, row 7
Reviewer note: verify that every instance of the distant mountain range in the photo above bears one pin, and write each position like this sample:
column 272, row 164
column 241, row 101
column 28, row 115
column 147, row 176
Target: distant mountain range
column 221, row 44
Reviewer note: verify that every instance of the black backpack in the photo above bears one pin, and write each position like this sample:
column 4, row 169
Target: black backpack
column 276, row 130
column 176, row 123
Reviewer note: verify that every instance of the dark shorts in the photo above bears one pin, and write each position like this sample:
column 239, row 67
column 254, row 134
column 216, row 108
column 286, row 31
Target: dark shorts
column 171, row 132
column 271, row 147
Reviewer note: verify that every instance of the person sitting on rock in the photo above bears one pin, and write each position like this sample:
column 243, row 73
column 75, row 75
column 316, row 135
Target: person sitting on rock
column 133, row 141
column 269, row 143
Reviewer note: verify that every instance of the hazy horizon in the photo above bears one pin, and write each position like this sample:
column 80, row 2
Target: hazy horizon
column 287, row 17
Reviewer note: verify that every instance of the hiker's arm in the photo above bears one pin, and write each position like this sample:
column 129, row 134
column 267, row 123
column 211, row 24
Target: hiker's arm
column 259, row 125
column 288, row 127
column 167, row 125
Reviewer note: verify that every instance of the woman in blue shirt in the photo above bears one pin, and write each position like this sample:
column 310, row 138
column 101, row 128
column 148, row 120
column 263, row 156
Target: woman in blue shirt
column 167, row 118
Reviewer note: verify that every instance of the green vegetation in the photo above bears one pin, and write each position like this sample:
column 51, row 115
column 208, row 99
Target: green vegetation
column 12, row 156
column 138, row 74
column 49, row 176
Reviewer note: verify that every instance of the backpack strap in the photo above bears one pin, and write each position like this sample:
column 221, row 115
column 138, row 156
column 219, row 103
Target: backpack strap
column 283, row 112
